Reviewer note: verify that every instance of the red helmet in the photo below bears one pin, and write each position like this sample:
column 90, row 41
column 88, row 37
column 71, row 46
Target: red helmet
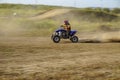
column 66, row 22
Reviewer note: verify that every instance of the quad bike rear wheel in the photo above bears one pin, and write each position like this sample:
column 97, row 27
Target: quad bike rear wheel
column 74, row 39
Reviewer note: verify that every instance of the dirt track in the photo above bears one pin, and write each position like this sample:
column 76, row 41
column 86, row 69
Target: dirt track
column 50, row 13
column 38, row 58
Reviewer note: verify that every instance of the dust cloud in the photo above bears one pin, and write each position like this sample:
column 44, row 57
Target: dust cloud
column 100, row 37
column 10, row 27
column 109, row 36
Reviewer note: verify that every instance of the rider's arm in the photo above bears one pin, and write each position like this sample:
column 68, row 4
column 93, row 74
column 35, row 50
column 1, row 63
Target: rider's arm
column 62, row 26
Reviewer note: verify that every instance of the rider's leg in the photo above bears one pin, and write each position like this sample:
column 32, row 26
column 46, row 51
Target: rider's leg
column 68, row 33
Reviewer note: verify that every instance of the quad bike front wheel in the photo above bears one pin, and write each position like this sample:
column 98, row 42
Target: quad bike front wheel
column 56, row 39
column 74, row 39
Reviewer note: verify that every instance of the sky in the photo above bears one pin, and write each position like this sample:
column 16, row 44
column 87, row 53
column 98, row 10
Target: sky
column 70, row 3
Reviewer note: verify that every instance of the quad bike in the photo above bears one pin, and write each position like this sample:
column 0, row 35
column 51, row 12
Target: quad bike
column 62, row 34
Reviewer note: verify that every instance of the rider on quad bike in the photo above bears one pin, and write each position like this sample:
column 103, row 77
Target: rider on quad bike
column 66, row 27
column 65, row 33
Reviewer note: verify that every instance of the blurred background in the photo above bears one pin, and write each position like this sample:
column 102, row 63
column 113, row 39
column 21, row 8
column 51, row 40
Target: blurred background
column 43, row 17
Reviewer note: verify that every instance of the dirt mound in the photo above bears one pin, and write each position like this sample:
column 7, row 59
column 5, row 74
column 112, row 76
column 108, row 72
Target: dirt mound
column 93, row 15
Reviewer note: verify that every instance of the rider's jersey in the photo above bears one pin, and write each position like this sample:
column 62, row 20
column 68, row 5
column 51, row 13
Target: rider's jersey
column 66, row 27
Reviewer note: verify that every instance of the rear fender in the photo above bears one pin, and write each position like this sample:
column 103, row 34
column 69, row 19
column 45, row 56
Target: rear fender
column 73, row 32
